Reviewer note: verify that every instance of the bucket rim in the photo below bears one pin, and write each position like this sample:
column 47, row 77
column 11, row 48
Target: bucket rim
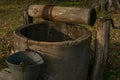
column 28, row 66
column 18, row 34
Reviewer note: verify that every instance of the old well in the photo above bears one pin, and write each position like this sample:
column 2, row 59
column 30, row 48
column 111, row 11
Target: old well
column 66, row 48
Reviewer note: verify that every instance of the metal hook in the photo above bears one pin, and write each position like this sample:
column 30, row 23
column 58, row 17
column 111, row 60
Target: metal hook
column 112, row 23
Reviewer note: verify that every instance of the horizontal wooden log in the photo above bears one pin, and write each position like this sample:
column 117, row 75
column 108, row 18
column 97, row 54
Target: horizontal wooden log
column 63, row 14
column 5, row 74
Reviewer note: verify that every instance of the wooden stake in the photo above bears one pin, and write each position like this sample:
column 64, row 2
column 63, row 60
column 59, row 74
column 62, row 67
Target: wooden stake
column 26, row 18
column 102, row 44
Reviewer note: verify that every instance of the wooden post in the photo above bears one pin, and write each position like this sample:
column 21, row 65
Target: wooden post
column 6, row 74
column 103, row 4
column 26, row 18
column 102, row 44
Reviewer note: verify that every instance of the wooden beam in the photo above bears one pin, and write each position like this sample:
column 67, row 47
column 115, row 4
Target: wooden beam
column 63, row 14
column 102, row 45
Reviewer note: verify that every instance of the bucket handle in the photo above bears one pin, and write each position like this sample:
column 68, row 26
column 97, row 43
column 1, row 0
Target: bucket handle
column 31, row 50
column 35, row 51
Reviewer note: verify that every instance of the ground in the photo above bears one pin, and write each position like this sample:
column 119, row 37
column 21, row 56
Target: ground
column 11, row 18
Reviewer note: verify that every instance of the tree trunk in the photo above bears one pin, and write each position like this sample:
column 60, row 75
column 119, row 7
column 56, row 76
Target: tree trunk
column 109, row 4
column 103, row 4
column 114, row 4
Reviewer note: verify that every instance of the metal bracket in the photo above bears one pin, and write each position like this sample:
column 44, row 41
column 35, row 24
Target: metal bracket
column 114, row 25
column 111, row 20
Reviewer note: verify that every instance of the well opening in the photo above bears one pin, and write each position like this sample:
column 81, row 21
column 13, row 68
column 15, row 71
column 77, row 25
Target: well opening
column 52, row 32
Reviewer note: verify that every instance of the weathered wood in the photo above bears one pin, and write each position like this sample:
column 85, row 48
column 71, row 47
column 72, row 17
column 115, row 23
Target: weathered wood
column 102, row 44
column 109, row 4
column 103, row 4
column 5, row 74
column 26, row 18
column 63, row 14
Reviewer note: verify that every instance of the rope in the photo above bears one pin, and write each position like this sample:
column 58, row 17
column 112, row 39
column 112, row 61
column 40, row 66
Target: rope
column 47, row 12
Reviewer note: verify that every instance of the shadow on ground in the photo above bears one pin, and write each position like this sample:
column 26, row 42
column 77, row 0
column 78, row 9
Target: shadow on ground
column 113, row 63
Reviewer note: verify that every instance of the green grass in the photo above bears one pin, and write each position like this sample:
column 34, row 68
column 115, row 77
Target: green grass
column 2, row 63
column 11, row 18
